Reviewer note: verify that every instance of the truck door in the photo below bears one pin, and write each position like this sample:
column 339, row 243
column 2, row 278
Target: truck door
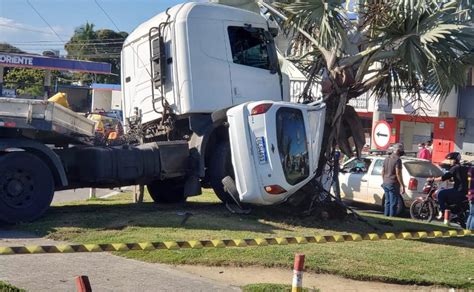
column 252, row 64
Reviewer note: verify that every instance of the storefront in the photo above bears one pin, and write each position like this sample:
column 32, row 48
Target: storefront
column 413, row 123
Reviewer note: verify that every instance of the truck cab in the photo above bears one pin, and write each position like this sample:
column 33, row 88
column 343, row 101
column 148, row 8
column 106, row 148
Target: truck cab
column 206, row 57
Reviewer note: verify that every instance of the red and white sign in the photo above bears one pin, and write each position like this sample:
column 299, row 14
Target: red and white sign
column 381, row 135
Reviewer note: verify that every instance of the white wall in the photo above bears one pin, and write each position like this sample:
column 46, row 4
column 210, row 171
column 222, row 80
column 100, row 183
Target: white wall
column 430, row 107
column 116, row 103
column 101, row 100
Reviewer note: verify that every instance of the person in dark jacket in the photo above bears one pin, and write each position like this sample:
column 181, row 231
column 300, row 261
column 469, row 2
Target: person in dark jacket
column 458, row 193
column 393, row 184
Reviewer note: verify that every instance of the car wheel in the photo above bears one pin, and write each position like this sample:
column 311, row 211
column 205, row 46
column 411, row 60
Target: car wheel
column 400, row 205
column 220, row 166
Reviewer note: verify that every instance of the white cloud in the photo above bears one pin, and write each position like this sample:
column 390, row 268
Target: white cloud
column 33, row 39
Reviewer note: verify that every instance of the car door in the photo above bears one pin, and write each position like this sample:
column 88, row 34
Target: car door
column 375, row 192
column 250, row 63
column 354, row 178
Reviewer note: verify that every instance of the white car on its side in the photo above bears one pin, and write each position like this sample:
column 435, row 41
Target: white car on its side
column 360, row 179
column 275, row 148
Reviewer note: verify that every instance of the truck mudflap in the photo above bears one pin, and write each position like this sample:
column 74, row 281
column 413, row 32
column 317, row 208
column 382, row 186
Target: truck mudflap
column 125, row 165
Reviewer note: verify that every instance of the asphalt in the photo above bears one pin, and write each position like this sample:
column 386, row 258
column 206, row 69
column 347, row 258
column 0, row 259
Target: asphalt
column 106, row 272
column 81, row 194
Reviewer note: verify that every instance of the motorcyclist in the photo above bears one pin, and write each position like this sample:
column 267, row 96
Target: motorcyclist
column 457, row 194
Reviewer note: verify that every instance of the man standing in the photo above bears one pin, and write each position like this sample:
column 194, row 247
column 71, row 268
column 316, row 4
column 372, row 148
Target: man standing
column 424, row 152
column 393, row 180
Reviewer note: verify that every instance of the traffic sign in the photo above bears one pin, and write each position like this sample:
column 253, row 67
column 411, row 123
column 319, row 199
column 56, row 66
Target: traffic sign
column 381, row 135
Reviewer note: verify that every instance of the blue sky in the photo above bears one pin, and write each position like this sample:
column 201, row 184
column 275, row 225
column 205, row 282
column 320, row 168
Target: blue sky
column 22, row 27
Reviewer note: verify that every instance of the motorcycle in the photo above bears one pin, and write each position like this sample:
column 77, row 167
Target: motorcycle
column 425, row 208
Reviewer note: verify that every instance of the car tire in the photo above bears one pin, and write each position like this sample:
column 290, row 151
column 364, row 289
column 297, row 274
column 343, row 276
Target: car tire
column 170, row 191
column 220, row 166
column 400, row 207
column 26, row 187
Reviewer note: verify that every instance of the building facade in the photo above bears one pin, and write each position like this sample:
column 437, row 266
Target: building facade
column 414, row 122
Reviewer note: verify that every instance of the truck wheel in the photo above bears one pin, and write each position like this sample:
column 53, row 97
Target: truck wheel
column 220, row 166
column 168, row 191
column 26, row 187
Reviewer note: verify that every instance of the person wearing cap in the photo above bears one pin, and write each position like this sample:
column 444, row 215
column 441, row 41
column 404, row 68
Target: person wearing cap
column 393, row 180
column 458, row 193
column 424, row 152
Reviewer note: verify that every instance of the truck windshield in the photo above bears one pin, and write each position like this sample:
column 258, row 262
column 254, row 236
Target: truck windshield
column 249, row 47
column 292, row 144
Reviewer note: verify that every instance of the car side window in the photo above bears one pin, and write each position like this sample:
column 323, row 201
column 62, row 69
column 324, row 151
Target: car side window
column 378, row 166
column 357, row 165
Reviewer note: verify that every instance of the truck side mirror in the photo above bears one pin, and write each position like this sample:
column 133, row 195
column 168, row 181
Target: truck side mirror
column 272, row 53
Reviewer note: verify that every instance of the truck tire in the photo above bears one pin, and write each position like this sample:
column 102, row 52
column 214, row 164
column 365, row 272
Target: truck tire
column 170, row 191
column 26, row 187
column 220, row 166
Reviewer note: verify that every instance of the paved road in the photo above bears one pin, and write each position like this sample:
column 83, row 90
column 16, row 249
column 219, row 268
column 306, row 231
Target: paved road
column 80, row 194
column 56, row 272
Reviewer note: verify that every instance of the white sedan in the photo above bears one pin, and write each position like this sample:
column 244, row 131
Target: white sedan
column 360, row 179
column 275, row 148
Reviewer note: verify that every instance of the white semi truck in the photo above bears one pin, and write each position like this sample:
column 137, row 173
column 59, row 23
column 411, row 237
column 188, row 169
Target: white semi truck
column 182, row 71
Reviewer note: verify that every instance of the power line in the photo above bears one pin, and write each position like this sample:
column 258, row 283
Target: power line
column 84, row 41
column 47, row 23
column 107, row 15
column 26, row 29
column 69, row 44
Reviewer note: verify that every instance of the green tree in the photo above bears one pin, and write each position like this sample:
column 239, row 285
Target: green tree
column 26, row 81
column 7, row 48
column 103, row 45
column 393, row 48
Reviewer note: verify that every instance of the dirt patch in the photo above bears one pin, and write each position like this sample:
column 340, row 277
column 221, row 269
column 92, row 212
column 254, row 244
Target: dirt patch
column 237, row 276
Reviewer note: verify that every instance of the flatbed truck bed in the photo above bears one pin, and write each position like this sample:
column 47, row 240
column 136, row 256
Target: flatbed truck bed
column 45, row 147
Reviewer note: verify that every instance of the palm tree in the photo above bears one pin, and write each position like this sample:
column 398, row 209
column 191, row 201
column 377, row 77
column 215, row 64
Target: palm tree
column 392, row 48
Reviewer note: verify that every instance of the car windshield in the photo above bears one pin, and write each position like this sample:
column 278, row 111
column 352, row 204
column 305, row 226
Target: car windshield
column 422, row 169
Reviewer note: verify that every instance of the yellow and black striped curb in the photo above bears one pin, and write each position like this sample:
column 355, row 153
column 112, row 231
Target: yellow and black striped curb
column 172, row 245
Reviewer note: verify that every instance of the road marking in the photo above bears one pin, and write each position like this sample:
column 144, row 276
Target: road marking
column 111, row 194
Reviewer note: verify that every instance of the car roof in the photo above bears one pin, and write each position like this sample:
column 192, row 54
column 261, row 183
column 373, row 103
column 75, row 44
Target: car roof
column 404, row 158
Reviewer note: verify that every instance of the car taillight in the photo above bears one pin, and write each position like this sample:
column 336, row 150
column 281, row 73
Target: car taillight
column 274, row 190
column 261, row 109
column 413, row 184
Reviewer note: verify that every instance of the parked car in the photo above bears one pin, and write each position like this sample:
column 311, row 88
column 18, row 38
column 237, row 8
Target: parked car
column 361, row 179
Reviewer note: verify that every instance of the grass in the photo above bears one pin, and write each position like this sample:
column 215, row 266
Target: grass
column 267, row 287
column 5, row 287
column 443, row 261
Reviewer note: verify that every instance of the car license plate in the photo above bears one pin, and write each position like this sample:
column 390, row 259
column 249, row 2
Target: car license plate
column 261, row 150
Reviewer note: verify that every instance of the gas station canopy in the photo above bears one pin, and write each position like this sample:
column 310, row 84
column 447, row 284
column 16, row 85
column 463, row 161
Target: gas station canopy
column 50, row 63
